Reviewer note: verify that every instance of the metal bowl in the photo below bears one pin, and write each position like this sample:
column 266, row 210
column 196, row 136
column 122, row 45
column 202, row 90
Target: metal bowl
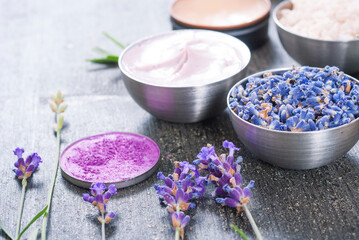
column 294, row 150
column 183, row 104
column 315, row 52
column 253, row 36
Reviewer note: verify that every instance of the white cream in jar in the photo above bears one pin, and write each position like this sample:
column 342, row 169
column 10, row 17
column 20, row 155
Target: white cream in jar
column 184, row 58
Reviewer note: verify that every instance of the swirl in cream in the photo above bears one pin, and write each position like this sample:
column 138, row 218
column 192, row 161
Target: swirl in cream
column 183, row 58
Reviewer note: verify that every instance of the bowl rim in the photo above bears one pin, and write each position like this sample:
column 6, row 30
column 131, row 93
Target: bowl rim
column 245, row 65
column 278, row 131
column 228, row 27
column 281, row 5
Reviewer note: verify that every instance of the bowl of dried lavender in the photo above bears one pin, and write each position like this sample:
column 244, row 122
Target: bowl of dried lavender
column 296, row 118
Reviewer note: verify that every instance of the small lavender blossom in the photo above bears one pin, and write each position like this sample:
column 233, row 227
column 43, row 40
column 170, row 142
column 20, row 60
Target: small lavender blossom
column 180, row 188
column 180, row 220
column 224, row 172
column 301, row 99
column 25, row 168
column 237, row 196
column 100, row 197
column 18, row 152
column 109, row 217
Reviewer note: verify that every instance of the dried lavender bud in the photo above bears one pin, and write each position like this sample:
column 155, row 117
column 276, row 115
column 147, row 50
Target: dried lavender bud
column 301, row 99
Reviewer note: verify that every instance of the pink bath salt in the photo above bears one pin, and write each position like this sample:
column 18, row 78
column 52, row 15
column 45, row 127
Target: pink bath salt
column 110, row 157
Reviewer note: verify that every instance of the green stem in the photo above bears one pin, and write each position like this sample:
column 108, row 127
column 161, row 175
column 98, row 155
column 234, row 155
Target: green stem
column 252, row 222
column 177, row 234
column 24, row 184
column 49, row 197
column 103, row 226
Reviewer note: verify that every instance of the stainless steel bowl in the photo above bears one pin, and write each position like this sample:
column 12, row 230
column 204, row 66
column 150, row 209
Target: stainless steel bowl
column 254, row 36
column 294, row 150
column 315, row 52
column 183, row 104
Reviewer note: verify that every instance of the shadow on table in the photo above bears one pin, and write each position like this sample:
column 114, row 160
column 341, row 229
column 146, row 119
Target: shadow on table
column 103, row 67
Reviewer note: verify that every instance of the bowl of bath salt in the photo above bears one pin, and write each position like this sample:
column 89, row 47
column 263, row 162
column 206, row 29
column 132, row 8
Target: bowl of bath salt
column 319, row 33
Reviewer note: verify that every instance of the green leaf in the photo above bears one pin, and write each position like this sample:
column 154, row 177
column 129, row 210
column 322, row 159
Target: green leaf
column 113, row 58
column 239, row 232
column 4, row 231
column 114, row 40
column 33, row 220
column 109, row 59
column 33, row 234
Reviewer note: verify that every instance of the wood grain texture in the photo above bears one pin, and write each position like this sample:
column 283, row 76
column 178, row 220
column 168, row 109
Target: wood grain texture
column 43, row 47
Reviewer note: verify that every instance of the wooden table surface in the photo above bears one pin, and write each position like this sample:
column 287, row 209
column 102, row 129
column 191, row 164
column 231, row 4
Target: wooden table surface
column 43, row 46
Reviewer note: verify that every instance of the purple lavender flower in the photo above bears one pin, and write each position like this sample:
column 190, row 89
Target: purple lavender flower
column 18, row 152
column 237, row 196
column 206, row 152
column 98, row 188
column 180, row 188
column 24, row 169
column 186, row 184
column 179, row 221
column 109, row 217
column 179, row 201
column 99, row 198
column 224, row 172
column 112, row 189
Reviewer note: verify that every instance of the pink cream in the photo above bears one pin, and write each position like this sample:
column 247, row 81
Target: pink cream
column 219, row 14
column 109, row 158
column 183, row 58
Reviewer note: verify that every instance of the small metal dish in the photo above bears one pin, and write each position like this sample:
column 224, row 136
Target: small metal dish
column 183, row 104
column 219, row 14
column 119, row 184
column 294, row 150
column 316, row 52
column 253, row 36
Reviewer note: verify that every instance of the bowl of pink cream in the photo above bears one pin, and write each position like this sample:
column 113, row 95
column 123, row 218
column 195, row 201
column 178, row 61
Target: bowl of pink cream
column 184, row 75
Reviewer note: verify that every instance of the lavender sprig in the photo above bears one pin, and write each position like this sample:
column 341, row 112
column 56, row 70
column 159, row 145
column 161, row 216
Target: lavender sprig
column 99, row 198
column 58, row 106
column 180, row 188
column 224, row 172
column 23, row 170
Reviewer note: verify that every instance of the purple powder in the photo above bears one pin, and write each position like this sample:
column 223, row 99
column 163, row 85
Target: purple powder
column 110, row 157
